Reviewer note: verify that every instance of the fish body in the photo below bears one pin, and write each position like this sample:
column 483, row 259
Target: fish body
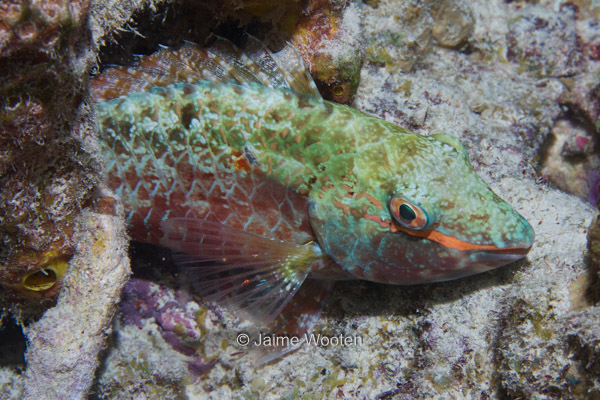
column 254, row 172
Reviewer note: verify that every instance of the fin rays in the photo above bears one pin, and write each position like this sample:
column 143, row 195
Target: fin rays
column 254, row 275
column 221, row 62
column 297, row 317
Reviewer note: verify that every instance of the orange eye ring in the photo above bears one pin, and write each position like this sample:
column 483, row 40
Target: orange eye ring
column 408, row 214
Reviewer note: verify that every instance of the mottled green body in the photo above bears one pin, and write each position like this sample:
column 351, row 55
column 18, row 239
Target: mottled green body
column 258, row 185
column 345, row 163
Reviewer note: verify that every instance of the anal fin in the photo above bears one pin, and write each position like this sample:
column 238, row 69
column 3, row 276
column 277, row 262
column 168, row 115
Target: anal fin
column 297, row 318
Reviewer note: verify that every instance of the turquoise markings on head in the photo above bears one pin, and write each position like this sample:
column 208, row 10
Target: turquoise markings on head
column 418, row 212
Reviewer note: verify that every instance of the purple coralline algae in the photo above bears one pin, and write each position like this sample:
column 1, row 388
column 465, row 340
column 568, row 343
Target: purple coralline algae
column 181, row 321
column 174, row 311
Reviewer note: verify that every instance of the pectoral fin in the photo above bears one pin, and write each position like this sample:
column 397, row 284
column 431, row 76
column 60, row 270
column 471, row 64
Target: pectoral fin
column 254, row 275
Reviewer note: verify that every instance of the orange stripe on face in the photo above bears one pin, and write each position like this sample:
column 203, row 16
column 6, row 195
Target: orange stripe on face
column 446, row 240
column 372, row 199
column 377, row 219
column 455, row 243
column 344, row 207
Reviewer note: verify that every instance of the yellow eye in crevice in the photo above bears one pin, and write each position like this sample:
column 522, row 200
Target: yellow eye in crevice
column 408, row 214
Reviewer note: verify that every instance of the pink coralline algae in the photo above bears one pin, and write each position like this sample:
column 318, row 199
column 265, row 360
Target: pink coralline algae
column 570, row 159
column 143, row 299
column 175, row 312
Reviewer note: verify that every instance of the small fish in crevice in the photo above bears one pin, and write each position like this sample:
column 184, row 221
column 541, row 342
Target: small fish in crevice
column 268, row 193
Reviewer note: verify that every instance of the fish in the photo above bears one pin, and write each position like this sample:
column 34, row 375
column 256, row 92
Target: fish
column 267, row 194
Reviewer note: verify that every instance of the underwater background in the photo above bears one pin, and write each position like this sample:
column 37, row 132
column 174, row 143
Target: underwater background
column 85, row 314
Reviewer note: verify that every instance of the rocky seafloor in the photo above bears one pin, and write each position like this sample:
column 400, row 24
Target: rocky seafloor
column 517, row 81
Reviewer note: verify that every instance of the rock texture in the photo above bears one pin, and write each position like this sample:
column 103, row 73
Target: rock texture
column 59, row 231
column 510, row 79
column 63, row 346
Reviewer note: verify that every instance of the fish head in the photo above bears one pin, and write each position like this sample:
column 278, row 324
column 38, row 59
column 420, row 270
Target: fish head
column 418, row 213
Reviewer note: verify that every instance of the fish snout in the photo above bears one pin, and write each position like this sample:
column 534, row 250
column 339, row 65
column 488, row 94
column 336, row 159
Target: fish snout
column 516, row 244
column 522, row 238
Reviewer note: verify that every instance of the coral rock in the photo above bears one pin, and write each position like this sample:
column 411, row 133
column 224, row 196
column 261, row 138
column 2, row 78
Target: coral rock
column 175, row 313
column 544, row 42
column 453, row 23
column 583, row 330
column 46, row 175
column 63, row 346
column 402, row 34
column 328, row 39
column 571, row 160
column 38, row 24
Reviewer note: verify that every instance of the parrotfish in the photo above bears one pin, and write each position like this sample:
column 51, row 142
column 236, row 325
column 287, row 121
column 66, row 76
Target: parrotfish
column 267, row 192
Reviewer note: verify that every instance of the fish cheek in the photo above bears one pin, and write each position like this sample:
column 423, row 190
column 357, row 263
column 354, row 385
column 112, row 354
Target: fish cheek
column 352, row 242
column 417, row 260
column 403, row 251
column 334, row 234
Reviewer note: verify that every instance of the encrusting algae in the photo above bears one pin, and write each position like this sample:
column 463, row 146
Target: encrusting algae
column 267, row 192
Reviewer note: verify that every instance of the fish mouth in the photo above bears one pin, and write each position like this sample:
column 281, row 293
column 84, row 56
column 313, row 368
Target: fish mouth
column 495, row 256
column 502, row 255
column 518, row 248
column 486, row 255
column 520, row 251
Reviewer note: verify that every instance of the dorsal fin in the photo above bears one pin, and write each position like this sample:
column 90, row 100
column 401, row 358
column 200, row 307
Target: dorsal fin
column 222, row 62
column 296, row 73
column 240, row 68
column 267, row 67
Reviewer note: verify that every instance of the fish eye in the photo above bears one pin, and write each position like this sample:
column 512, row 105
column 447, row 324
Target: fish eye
column 408, row 214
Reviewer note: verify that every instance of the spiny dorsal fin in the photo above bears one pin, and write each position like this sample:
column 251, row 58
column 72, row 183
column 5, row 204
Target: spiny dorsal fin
column 162, row 68
column 222, row 62
column 267, row 68
column 240, row 68
column 296, row 73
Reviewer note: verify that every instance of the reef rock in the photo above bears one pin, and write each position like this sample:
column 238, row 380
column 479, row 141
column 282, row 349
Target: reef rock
column 500, row 76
